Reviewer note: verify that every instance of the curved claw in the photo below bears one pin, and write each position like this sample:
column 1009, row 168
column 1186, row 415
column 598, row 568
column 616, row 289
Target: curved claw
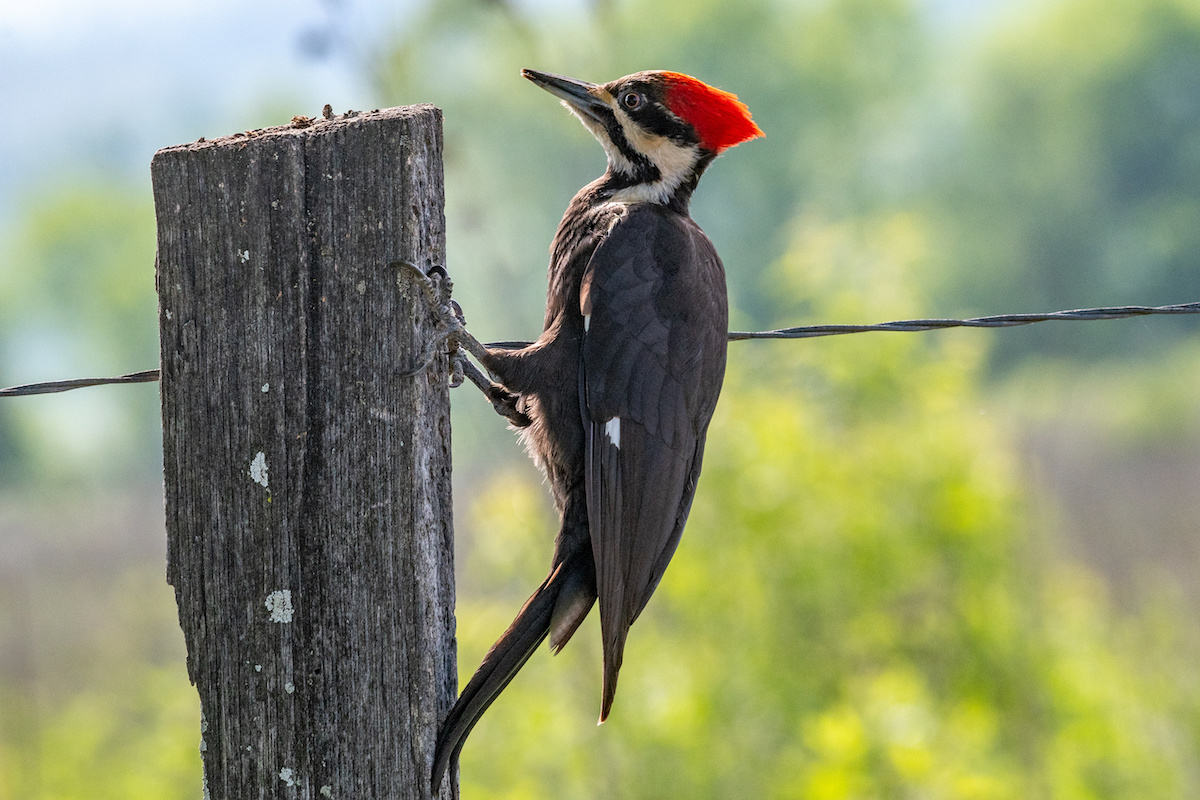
column 459, row 339
column 456, row 370
column 407, row 271
column 505, row 403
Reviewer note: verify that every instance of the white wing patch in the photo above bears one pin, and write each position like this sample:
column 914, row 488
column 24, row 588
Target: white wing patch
column 612, row 430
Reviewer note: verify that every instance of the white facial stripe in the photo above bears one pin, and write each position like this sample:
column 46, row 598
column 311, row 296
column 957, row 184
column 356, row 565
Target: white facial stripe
column 612, row 430
column 616, row 159
column 674, row 161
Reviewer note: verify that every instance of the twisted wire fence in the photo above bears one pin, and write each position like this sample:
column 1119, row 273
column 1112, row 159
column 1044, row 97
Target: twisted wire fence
column 799, row 332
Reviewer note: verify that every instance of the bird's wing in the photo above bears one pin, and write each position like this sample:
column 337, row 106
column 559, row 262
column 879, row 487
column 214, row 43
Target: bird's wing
column 653, row 358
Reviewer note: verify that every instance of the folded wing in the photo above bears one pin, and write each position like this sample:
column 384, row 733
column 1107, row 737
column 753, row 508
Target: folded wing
column 652, row 364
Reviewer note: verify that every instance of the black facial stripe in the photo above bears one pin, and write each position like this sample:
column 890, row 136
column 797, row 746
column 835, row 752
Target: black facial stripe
column 616, row 181
column 655, row 118
column 644, row 170
column 653, row 115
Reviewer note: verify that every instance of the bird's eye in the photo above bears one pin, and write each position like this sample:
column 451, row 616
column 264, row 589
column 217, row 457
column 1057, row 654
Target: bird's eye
column 632, row 101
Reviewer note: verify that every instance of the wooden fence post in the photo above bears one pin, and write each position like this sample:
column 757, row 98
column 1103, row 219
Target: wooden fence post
column 306, row 439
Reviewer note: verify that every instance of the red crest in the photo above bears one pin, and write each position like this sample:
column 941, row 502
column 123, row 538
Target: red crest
column 720, row 119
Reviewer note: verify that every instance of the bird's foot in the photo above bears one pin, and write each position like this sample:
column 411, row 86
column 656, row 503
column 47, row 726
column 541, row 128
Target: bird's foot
column 458, row 335
column 504, row 401
column 460, row 340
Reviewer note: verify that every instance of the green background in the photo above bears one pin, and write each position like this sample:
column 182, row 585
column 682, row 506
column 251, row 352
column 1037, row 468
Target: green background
column 940, row 565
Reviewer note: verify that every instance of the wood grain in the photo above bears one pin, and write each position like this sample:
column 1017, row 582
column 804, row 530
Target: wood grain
column 306, row 447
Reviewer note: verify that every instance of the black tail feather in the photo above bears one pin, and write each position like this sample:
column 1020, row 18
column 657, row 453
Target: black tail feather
column 499, row 667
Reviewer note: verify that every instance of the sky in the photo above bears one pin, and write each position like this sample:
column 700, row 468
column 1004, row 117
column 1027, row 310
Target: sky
column 101, row 84
column 91, row 89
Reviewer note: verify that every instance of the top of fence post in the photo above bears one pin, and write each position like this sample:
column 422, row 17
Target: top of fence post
column 306, row 442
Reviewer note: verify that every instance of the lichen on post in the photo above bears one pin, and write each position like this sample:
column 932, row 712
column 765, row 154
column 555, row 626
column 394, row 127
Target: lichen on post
column 306, row 441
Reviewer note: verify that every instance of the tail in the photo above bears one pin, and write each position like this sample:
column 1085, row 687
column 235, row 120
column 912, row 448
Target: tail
column 614, row 654
column 560, row 602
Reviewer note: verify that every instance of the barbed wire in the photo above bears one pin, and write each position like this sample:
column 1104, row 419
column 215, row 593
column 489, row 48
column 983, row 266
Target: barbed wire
column 50, row 387
column 998, row 321
column 800, row 332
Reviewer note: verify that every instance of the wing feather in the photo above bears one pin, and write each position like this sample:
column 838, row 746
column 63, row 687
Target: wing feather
column 653, row 358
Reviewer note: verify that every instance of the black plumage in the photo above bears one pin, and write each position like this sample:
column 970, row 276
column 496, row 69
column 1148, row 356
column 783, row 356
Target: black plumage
column 621, row 385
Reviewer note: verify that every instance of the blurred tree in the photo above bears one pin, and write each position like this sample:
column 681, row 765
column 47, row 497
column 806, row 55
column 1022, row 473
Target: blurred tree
column 1077, row 178
column 828, row 80
column 77, row 299
column 858, row 609
column 94, row 698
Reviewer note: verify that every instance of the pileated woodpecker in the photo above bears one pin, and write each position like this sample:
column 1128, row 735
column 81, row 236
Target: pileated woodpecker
column 620, row 387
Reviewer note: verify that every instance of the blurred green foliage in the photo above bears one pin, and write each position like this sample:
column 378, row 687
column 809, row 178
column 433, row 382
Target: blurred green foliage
column 1076, row 181
column 94, row 697
column 77, row 300
column 136, row 741
column 830, row 82
column 859, row 608
column 870, row 600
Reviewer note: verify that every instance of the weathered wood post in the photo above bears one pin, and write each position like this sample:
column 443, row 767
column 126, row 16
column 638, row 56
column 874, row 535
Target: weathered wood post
column 306, row 438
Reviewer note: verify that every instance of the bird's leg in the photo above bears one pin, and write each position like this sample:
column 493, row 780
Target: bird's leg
column 460, row 336
column 504, row 401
